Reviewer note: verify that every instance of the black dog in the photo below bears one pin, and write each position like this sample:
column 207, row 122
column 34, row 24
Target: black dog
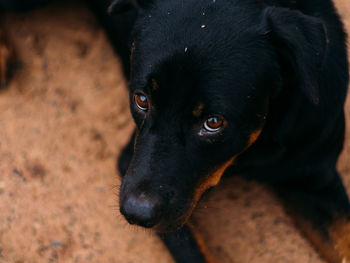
column 254, row 87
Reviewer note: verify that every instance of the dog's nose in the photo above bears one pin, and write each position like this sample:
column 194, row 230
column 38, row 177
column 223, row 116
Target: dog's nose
column 141, row 209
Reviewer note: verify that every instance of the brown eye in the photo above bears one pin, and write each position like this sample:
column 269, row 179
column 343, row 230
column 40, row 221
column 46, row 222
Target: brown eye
column 141, row 101
column 214, row 123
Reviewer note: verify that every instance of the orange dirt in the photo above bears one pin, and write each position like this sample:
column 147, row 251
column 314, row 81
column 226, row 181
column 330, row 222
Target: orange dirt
column 64, row 119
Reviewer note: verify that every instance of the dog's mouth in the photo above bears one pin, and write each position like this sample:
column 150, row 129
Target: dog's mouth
column 156, row 210
column 173, row 225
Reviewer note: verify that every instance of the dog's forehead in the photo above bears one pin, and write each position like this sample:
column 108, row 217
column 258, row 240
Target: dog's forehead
column 195, row 70
column 183, row 81
column 191, row 22
column 203, row 31
column 195, row 53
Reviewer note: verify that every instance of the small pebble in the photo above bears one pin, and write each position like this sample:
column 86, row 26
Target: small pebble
column 2, row 186
column 36, row 225
column 101, row 189
column 56, row 244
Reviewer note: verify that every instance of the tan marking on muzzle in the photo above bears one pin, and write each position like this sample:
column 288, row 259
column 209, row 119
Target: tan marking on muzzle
column 253, row 137
column 213, row 179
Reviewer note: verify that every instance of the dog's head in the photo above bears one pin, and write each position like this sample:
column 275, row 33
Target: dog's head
column 203, row 74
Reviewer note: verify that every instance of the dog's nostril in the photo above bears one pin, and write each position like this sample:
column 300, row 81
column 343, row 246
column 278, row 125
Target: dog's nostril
column 141, row 209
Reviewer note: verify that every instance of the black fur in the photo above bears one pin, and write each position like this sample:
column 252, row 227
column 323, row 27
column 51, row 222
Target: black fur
column 279, row 66
column 20, row 5
column 276, row 65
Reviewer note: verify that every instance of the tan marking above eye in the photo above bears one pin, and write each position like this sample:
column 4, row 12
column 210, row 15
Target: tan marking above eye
column 154, row 84
column 198, row 110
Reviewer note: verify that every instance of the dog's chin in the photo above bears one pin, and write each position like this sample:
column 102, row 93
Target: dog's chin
column 167, row 226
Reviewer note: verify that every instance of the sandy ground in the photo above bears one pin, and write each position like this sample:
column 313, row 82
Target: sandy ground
column 64, row 120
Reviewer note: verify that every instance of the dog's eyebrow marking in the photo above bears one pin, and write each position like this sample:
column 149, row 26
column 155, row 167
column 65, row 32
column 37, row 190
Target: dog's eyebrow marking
column 155, row 85
column 198, row 110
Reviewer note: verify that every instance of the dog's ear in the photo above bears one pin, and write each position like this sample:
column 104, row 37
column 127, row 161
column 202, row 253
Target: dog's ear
column 120, row 6
column 302, row 41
